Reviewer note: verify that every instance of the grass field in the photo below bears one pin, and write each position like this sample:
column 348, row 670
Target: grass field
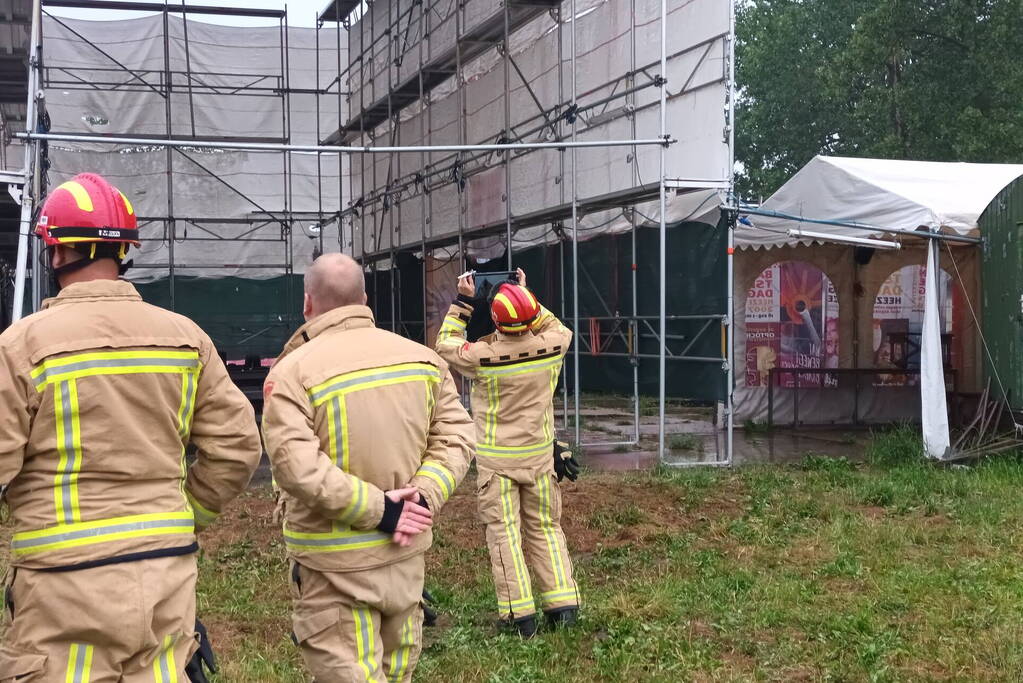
column 827, row 570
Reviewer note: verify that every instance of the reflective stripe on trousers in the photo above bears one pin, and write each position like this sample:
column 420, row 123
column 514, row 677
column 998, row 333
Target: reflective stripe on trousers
column 164, row 668
column 79, row 663
column 547, row 527
column 365, row 641
column 514, row 540
column 402, row 654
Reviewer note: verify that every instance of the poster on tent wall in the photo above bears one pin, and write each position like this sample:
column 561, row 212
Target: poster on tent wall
column 791, row 322
column 898, row 319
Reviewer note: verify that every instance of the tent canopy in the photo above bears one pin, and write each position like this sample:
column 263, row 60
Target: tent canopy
column 879, row 192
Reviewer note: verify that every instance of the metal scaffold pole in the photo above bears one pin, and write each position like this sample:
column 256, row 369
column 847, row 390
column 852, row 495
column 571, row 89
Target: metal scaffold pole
column 171, row 223
column 30, row 189
column 730, row 310
column 575, row 242
column 333, row 149
column 662, row 252
column 507, row 135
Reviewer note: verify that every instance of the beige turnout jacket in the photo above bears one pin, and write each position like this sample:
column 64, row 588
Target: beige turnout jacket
column 352, row 411
column 99, row 395
column 513, row 393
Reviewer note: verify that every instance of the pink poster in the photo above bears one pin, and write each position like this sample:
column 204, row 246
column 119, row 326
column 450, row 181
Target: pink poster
column 791, row 322
column 898, row 318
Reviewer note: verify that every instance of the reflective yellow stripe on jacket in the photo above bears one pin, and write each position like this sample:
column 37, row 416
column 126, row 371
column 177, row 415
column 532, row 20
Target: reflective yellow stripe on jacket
column 331, row 541
column 439, row 474
column 64, row 372
column 451, row 327
column 520, row 368
column 113, row 363
column 64, row 536
column 542, row 448
column 337, row 388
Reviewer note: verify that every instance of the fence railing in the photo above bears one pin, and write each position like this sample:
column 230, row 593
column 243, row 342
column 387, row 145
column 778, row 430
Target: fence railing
column 824, row 379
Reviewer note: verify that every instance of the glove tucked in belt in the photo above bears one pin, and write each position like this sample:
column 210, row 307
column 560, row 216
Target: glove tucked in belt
column 565, row 464
column 203, row 656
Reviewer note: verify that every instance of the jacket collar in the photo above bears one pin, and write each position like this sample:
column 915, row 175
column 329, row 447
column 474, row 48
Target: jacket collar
column 94, row 290
column 505, row 337
column 343, row 318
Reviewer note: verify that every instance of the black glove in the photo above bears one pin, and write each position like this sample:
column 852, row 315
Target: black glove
column 565, row 464
column 429, row 614
column 204, row 655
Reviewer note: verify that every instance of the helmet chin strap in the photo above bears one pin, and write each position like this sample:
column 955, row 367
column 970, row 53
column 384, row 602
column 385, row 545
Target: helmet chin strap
column 86, row 260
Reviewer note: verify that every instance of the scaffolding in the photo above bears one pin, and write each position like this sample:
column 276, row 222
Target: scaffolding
column 410, row 60
column 207, row 217
column 420, row 183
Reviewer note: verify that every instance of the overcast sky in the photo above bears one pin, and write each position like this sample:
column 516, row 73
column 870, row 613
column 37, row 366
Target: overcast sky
column 300, row 12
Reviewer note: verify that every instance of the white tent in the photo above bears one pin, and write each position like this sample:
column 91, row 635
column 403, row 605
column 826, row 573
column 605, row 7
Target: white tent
column 837, row 199
column 878, row 192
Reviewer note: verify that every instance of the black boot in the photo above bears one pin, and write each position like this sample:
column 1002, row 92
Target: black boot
column 564, row 617
column 525, row 627
column 429, row 613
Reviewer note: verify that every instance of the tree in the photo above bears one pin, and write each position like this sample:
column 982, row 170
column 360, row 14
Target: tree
column 911, row 79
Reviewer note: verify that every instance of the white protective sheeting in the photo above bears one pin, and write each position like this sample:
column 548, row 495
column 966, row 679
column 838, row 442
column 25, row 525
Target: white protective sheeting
column 109, row 77
column 613, row 37
column 880, row 192
column 933, row 406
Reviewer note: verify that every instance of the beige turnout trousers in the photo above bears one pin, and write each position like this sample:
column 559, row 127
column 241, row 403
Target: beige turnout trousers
column 359, row 625
column 523, row 520
column 132, row 622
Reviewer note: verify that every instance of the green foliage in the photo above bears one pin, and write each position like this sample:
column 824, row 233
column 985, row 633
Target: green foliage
column 825, row 570
column 902, row 445
column 752, row 427
column 813, row 462
column 685, row 442
column 611, row 519
column 929, row 80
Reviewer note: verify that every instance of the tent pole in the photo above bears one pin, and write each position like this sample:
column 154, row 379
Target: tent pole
column 750, row 211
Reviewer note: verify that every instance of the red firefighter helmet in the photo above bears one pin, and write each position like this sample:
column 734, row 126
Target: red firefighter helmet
column 87, row 210
column 514, row 308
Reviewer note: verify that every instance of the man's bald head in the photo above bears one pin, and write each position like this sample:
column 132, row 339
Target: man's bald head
column 332, row 281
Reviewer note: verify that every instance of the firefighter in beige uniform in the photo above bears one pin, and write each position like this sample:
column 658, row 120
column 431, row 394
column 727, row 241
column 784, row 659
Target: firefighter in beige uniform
column 99, row 395
column 516, row 371
column 367, row 440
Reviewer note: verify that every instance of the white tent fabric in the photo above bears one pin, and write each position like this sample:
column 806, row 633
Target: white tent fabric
column 877, row 192
column 933, row 407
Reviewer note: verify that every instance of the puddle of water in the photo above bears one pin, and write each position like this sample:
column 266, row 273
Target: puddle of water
column 777, row 447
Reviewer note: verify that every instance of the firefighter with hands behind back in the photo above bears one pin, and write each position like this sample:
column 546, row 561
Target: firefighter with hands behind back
column 367, row 440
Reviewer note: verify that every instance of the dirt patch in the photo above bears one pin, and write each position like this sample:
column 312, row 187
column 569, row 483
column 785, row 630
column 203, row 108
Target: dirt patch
column 249, row 518
column 701, row 629
column 871, row 511
column 737, row 662
column 635, row 511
